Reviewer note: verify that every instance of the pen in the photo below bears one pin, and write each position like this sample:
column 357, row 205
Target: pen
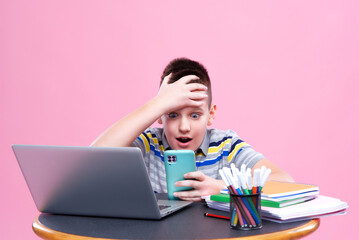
column 235, row 190
column 256, row 180
column 263, row 169
column 239, row 214
column 249, row 181
column 249, row 206
column 216, row 216
column 242, row 185
column 247, row 212
column 264, row 179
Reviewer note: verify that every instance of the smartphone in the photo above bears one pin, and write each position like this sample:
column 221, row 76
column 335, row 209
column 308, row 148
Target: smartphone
column 177, row 163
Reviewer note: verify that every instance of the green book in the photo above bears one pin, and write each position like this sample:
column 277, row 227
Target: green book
column 220, row 198
column 265, row 203
column 285, row 203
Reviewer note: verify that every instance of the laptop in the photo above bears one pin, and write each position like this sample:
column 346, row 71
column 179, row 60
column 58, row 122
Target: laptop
column 91, row 181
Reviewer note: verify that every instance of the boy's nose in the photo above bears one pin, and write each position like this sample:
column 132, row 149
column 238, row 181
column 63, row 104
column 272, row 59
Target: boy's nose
column 184, row 125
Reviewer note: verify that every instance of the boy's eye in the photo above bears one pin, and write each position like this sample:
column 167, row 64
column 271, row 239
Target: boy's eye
column 195, row 115
column 172, row 115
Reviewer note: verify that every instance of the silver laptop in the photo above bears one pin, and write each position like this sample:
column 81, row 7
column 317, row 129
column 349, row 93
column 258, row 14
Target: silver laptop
column 91, row 181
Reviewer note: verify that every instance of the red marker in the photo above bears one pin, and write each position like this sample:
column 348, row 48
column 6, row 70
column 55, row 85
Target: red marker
column 215, row 216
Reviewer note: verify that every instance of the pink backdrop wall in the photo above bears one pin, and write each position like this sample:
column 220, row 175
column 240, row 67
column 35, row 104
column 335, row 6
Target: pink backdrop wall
column 285, row 77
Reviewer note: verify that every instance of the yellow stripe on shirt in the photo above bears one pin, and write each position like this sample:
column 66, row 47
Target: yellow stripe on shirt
column 219, row 147
column 144, row 140
column 155, row 141
column 235, row 150
column 200, row 154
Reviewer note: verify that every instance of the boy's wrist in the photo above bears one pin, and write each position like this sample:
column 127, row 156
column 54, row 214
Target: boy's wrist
column 160, row 105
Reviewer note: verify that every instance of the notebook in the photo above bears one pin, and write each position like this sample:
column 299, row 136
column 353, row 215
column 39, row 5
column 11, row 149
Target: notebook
column 225, row 198
column 319, row 207
column 288, row 190
column 91, row 181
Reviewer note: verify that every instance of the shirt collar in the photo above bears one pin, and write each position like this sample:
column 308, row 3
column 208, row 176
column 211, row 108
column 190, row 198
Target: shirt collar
column 202, row 148
column 166, row 146
column 204, row 145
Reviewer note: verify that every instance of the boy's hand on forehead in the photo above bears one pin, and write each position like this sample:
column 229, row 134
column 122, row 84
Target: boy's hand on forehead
column 182, row 93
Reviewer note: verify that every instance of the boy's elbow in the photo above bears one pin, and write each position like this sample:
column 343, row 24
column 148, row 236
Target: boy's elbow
column 98, row 143
column 102, row 144
column 95, row 144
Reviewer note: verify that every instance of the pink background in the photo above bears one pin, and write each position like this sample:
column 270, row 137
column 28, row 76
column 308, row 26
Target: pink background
column 285, row 77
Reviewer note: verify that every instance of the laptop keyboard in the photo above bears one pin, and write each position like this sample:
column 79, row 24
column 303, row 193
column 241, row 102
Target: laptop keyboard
column 163, row 206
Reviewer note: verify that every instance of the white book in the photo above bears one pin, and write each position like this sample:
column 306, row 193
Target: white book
column 293, row 196
column 321, row 206
column 342, row 212
column 318, row 206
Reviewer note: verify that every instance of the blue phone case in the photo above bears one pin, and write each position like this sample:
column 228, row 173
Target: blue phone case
column 177, row 163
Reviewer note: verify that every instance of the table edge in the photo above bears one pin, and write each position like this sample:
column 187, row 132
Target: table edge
column 49, row 234
column 292, row 233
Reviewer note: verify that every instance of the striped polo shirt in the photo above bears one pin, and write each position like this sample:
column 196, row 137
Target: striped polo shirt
column 218, row 149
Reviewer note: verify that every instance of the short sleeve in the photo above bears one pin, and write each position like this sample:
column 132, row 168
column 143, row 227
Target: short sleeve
column 241, row 152
column 142, row 142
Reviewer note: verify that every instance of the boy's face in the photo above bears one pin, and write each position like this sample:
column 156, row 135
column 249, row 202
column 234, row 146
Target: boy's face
column 186, row 128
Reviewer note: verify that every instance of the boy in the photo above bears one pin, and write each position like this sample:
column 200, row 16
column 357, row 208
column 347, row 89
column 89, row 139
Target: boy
column 184, row 106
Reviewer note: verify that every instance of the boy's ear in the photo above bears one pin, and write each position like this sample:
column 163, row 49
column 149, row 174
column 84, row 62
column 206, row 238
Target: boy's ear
column 212, row 114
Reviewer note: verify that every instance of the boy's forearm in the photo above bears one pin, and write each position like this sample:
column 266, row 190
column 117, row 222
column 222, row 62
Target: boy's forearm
column 170, row 96
column 280, row 176
column 126, row 130
column 277, row 174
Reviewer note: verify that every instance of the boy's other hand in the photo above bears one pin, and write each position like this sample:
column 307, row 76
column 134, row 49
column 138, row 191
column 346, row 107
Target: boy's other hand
column 181, row 93
column 203, row 186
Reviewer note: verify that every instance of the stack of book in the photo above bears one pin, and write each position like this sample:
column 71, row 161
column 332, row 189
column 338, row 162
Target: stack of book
column 287, row 202
column 283, row 194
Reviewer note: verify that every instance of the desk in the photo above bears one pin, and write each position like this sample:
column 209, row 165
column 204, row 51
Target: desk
column 188, row 223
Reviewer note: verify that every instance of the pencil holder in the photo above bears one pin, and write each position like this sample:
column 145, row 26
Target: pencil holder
column 245, row 212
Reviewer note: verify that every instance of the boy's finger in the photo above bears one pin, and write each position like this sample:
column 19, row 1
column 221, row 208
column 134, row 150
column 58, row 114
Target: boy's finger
column 195, row 103
column 197, row 87
column 196, row 175
column 183, row 196
column 187, row 194
column 193, row 199
column 186, row 79
column 167, row 78
column 188, row 183
column 198, row 95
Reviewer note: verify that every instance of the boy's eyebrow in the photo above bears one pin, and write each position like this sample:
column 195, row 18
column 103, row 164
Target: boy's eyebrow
column 197, row 109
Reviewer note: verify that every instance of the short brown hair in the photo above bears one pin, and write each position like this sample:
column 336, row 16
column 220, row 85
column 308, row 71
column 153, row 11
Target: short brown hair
column 181, row 67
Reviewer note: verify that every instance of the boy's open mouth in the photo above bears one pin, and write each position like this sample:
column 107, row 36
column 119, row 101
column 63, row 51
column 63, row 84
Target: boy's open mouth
column 183, row 139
